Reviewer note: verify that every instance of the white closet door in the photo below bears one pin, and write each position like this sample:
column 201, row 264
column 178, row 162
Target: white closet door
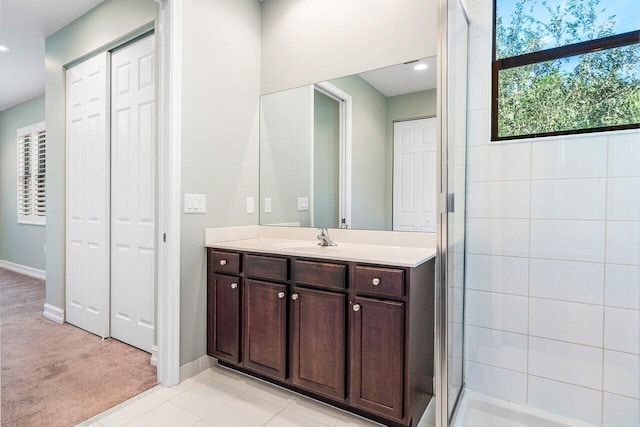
column 133, row 208
column 87, row 195
column 414, row 175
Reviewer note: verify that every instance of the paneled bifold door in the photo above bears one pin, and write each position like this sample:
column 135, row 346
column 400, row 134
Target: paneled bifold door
column 87, row 182
column 111, row 209
column 133, row 208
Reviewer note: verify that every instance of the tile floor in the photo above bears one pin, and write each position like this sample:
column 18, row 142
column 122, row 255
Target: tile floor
column 223, row 398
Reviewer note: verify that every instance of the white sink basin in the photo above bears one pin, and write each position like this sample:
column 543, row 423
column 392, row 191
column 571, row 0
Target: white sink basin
column 304, row 245
column 300, row 244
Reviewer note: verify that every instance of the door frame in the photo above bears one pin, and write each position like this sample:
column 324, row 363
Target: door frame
column 169, row 48
column 345, row 101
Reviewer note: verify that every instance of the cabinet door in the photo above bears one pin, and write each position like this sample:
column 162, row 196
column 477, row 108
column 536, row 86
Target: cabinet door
column 265, row 328
column 319, row 341
column 377, row 356
column 223, row 317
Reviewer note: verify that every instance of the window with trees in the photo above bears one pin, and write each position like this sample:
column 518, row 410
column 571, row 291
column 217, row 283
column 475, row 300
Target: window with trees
column 32, row 163
column 565, row 66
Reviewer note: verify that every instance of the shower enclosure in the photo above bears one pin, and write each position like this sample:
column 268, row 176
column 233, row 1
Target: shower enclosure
column 538, row 293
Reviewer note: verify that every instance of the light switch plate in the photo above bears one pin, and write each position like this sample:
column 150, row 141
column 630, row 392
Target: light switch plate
column 303, row 203
column 250, row 205
column 195, row 203
column 267, row 205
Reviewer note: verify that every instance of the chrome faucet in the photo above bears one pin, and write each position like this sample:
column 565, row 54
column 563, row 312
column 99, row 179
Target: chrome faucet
column 324, row 238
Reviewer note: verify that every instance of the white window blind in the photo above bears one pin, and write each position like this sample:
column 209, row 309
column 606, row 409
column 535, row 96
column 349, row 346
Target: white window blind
column 32, row 167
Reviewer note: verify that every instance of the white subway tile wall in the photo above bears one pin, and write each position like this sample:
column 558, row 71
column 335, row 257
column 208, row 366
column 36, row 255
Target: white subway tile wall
column 622, row 286
column 621, row 373
column 553, row 262
column 620, row 411
column 505, row 275
column 497, row 382
column 497, row 348
column 581, row 403
column 566, row 362
column 567, row 280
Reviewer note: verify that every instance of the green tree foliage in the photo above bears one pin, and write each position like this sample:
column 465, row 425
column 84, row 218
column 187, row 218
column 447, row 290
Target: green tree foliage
column 581, row 92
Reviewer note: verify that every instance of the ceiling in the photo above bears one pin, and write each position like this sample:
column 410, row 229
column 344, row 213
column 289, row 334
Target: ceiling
column 24, row 25
column 403, row 78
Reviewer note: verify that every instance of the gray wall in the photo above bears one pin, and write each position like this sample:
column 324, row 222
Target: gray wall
column 326, row 161
column 307, row 41
column 19, row 243
column 221, row 88
column 368, row 153
column 97, row 30
column 286, row 138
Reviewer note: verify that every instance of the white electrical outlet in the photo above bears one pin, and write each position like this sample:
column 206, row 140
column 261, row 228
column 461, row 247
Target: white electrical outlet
column 45, row 249
column 195, row 203
column 303, row 203
column 250, row 203
column 267, row 205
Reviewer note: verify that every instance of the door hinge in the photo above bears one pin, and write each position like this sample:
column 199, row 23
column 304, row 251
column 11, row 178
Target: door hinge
column 164, row 237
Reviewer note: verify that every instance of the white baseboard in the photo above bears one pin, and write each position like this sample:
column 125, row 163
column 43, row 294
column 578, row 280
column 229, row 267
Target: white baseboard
column 23, row 269
column 192, row 369
column 154, row 356
column 53, row 313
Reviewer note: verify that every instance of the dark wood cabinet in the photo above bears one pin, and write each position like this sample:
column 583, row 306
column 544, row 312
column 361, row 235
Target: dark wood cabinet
column 377, row 358
column 265, row 328
column 355, row 335
column 223, row 317
column 318, row 342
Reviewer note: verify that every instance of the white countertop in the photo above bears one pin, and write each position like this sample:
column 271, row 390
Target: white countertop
column 401, row 256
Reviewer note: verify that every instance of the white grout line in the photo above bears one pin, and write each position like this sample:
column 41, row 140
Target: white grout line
column 552, row 379
column 553, row 259
column 604, row 280
column 529, row 271
column 551, row 339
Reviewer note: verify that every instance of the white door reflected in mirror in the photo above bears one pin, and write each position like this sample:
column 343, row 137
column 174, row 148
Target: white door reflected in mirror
column 414, row 175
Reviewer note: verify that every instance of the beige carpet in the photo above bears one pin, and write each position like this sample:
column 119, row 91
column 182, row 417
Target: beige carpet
column 58, row 375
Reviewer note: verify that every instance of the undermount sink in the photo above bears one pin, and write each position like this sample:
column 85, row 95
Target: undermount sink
column 301, row 244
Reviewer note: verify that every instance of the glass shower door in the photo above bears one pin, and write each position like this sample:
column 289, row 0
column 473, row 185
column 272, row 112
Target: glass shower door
column 452, row 230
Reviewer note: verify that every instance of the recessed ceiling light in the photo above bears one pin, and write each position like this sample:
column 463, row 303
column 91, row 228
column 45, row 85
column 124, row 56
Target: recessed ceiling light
column 3, row 48
column 420, row 67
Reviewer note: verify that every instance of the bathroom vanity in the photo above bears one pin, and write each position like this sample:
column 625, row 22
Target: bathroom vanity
column 350, row 325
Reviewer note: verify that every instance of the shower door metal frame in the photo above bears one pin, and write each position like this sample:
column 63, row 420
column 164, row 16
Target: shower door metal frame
column 445, row 204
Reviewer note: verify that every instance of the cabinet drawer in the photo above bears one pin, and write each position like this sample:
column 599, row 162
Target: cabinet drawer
column 320, row 274
column 264, row 267
column 380, row 281
column 225, row 262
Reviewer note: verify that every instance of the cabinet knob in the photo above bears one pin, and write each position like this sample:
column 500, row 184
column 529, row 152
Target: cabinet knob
column 376, row 281
column 223, row 262
column 234, row 285
column 295, row 296
column 281, row 295
column 356, row 307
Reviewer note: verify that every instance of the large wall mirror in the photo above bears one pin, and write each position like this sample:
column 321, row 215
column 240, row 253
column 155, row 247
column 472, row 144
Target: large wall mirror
column 353, row 152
